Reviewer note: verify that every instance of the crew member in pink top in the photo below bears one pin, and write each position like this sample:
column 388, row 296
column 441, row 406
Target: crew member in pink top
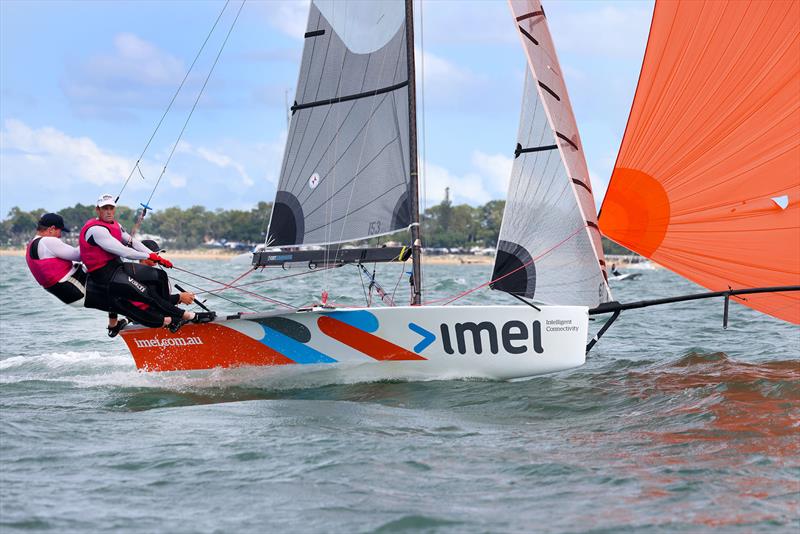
column 54, row 264
column 114, row 284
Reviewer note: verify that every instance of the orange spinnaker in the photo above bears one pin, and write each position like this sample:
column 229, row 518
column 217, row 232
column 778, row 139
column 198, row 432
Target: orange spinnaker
column 707, row 181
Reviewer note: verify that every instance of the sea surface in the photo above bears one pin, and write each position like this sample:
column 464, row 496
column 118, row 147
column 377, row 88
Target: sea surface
column 673, row 425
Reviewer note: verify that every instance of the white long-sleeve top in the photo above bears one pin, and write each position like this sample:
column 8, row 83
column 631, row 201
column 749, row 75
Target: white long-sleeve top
column 103, row 238
column 53, row 247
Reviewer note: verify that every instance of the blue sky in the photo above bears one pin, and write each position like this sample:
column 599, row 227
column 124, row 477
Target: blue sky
column 83, row 84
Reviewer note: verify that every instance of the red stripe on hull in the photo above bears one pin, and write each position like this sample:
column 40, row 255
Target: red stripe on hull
column 373, row 346
column 197, row 347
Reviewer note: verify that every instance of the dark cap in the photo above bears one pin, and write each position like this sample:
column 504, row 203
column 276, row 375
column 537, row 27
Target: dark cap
column 52, row 219
column 152, row 245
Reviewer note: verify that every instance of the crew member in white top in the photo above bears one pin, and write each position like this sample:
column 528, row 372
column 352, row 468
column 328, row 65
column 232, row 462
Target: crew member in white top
column 103, row 242
column 54, row 264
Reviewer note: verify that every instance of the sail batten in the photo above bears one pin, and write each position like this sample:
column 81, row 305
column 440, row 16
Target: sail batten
column 549, row 246
column 712, row 139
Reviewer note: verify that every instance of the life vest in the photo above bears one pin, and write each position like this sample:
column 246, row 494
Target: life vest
column 49, row 271
column 93, row 256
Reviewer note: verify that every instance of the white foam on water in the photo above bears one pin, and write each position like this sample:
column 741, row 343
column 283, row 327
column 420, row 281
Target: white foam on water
column 64, row 361
column 95, row 369
column 62, row 366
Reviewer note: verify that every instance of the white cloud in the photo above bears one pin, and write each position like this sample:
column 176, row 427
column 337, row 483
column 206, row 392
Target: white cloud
column 45, row 167
column 457, row 22
column 38, row 157
column 135, row 74
column 287, row 16
column 442, row 75
column 599, row 29
column 177, row 181
column 487, row 180
column 468, row 188
column 495, row 167
column 218, row 159
column 448, row 84
column 137, row 59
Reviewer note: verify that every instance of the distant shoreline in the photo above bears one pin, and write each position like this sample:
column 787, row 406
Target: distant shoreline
column 202, row 254
column 216, row 254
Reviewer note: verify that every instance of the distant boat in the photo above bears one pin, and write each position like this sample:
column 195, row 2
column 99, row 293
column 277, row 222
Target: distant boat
column 350, row 172
column 622, row 277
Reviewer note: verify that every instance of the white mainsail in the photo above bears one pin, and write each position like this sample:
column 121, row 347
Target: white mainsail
column 549, row 247
column 345, row 173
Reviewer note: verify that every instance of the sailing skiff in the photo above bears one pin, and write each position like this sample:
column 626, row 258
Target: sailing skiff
column 718, row 157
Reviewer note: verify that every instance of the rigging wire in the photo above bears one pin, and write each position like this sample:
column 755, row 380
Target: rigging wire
column 230, row 284
column 202, row 292
column 166, row 111
column 424, row 178
column 262, row 297
column 363, row 288
column 524, row 265
column 399, row 279
column 194, row 106
column 267, row 280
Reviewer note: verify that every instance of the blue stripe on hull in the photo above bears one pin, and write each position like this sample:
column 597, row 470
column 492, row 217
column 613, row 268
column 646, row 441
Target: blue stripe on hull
column 294, row 350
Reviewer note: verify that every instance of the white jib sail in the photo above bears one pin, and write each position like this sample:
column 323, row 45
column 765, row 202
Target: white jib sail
column 549, row 247
column 345, row 173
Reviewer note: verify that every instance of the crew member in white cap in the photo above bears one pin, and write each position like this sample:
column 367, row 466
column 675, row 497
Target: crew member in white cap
column 54, row 264
column 103, row 242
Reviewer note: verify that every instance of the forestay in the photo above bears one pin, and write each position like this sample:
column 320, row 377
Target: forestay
column 549, row 247
column 345, row 173
column 707, row 181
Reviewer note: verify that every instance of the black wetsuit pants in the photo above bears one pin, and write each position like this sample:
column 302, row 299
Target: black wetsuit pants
column 114, row 288
column 73, row 290
column 70, row 290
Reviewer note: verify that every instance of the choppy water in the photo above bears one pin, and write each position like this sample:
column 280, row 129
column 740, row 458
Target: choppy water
column 672, row 425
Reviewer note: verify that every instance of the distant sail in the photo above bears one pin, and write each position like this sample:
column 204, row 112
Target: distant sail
column 707, row 181
column 345, row 173
column 549, row 247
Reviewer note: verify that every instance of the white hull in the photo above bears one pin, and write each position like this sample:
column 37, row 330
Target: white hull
column 499, row 342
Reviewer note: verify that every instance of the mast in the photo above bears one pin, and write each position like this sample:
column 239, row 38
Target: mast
column 416, row 235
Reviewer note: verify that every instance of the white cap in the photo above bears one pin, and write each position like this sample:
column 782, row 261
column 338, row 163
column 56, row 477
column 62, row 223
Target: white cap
column 105, row 200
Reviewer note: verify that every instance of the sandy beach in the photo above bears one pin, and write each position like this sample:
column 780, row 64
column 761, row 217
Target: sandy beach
column 201, row 254
column 440, row 259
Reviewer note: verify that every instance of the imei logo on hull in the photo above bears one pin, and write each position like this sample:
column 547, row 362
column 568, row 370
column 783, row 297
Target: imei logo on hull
column 167, row 342
column 515, row 336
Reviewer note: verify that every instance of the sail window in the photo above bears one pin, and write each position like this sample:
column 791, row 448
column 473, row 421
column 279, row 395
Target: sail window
column 782, row 201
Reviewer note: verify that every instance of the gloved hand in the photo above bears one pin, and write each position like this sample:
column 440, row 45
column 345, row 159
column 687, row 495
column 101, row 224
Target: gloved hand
column 158, row 259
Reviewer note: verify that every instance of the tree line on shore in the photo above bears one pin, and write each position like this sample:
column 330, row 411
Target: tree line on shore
column 444, row 225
